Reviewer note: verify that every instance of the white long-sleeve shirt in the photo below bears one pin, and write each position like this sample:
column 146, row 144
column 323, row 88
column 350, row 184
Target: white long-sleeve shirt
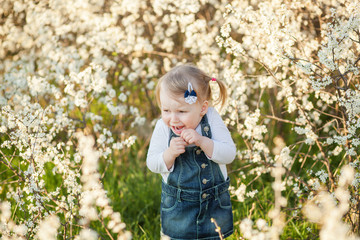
column 224, row 148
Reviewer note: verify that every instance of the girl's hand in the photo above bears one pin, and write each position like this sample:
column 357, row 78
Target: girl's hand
column 191, row 137
column 205, row 143
column 177, row 146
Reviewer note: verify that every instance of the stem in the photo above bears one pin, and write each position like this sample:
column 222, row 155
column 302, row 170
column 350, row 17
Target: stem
column 282, row 120
column 107, row 231
column 327, row 164
column 163, row 54
column 217, row 228
column 357, row 60
column 10, row 167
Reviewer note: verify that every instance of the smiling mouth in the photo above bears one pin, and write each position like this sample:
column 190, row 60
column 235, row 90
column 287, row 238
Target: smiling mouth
column 178, row 129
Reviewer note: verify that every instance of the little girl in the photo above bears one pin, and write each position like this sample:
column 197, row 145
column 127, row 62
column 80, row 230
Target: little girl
column 190, row 148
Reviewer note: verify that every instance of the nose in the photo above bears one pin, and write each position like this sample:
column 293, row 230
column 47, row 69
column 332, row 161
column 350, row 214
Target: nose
column 174, row 118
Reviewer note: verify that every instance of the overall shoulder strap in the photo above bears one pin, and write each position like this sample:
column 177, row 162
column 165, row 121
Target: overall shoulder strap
column 171, row 135
column 205, row 127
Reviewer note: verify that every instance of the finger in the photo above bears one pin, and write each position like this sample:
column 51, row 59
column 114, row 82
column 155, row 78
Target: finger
column 178, row 140
column 187, row 142
column 184, row 133
column 189, row 137
column 180, row 143
column 190, row 141
column 181, row 150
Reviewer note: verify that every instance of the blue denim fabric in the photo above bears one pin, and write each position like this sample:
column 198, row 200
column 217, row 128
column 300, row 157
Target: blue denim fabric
column 195, row 192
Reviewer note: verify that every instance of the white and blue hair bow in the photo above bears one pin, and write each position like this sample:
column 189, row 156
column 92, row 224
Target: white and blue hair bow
column 190, row 94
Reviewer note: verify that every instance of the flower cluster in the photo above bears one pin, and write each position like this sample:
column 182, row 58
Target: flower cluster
column 80, row 65
column 292, row 68
column 295, row 66
column 328, row 210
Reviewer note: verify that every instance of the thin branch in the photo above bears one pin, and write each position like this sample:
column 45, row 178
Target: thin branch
column 357, row 60
column 282, row 120
column 11, row 167
column 107, row 231
column 327, row 114
column 217, row 228
column 163, row 54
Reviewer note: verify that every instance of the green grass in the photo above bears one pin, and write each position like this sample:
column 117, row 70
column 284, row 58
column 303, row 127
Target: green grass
column 135, row 193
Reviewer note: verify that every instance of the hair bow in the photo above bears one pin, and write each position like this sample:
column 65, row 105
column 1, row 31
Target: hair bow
column 190, row 94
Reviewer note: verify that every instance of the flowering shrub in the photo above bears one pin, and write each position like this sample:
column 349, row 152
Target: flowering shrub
column 90, row 67
column 296, row 64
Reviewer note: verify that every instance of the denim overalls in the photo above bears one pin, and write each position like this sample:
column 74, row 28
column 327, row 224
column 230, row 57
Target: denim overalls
column 195, row 192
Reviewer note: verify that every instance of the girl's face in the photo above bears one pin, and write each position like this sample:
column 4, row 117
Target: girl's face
column 179, row 115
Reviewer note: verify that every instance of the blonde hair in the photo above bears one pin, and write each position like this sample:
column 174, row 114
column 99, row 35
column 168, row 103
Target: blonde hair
column 177, row 79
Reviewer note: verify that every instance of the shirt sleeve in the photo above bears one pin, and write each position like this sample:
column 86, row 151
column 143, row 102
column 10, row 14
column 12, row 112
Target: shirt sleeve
column 224, row 147
column 158, row 144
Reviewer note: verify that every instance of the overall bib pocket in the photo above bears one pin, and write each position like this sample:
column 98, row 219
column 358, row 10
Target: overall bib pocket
column 168, row 202
column 224, row 200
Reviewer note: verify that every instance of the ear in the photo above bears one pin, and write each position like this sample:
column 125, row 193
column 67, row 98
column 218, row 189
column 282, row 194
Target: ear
column 204, row 108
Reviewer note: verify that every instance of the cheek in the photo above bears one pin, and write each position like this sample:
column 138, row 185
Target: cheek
column 165, row 117
column 188, row 120
column 192, row 120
